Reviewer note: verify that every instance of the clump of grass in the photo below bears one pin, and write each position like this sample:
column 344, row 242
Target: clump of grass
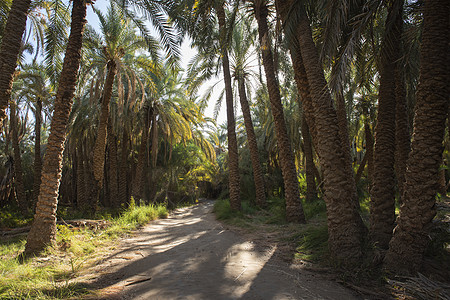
column 315, row 209
column 313, row 243
column 49, row 276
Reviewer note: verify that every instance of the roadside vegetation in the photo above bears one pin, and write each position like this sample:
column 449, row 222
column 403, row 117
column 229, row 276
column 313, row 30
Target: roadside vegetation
column 53, row 274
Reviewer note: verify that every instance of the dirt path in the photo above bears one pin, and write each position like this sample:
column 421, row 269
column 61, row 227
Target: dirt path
column 191, row 256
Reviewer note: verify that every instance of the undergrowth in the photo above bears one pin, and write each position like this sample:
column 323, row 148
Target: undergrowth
column 50, row 275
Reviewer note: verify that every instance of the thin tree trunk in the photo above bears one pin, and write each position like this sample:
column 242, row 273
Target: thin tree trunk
column 252, row 145
column 311, row 191
column 9, row 50
column 102, row 132
column 369, row 149
column 344, row 223
column 37, row 150
column 123, row 195
column 43, row 229
column 294, row 209
column 382, row 204
column 402, row 134
column 81, row 180
column 233, row 157
column 411, row 235
column 113, row 169
column 361, row 168
column 137, row 191
column 18, row 172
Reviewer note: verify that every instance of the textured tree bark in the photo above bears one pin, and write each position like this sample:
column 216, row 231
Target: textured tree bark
column 102, row 131
column 311, row 191
column 81, row 180
column 402, row 134
column 252, row 145
column 123, row 194
column 233, row 157
column 137, row 192
column 37, row 151
column 18, row 172
column 43, row 229
column 294, row 209
column 382, row 204
column 410, row 237
column 369, row 149
column 344, row 222
column 9, row 50
column 113, row 168
column 361, row 168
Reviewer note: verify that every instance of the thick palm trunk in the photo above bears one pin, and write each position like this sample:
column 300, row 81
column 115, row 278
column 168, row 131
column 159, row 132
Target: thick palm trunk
column 343, row 125
column 294, row 209
column 311, row 191
column 9, row 50
column 123, row 194
column 233, row 157
column 37, row 151
column 112, row 165
column 102, row 132
column 252, row 145
column 382, row 204
column 410, row 237
column 137, row 191
column 18, row 172
column 43, row 229
column 344, row 222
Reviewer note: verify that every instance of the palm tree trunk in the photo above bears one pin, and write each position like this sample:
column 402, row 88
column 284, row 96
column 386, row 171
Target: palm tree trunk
column 112, row 160
column 411, row 237
column 9, row 50
column 402, row 134
column 123, row 195
column 294, row 209
column 81, row 179
column 361, row 168
column 43, row 229
column 369, row 149
column 102, row 132
column 344, row 223
column 137, row 191
column 18, row 172
column 37, row 150
column 343, row 125
column 311, row 191
column 233, row 157
column 382, row 204
column 252, row 145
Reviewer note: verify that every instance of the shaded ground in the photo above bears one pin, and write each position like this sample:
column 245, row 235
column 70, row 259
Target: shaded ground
column 190, row 255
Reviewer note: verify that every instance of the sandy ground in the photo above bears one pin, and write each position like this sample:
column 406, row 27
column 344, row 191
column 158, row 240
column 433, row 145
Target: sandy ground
column 190, row 255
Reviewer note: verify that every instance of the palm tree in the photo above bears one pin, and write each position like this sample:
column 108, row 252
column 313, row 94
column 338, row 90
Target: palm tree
column 294, row 210
column 43, row 229
column 118, row 39
column 382, row 208
column 344, row 222
column 410, row 237
column 10, row 49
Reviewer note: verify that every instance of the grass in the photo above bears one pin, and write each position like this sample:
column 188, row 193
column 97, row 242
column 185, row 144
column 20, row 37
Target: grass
column 310, row 240
column 51, row 275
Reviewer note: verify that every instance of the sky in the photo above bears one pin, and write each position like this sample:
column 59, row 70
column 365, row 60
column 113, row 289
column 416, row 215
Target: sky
column 186, row 55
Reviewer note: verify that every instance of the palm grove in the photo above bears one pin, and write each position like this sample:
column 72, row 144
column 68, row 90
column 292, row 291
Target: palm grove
column 348, row 97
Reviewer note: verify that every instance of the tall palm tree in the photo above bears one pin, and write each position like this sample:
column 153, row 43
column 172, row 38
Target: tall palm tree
column 43, row 229
column 294, row 209
column 410, row 237
column 344, row 222
column 118, row 39
column 9, row 50
column 382, row 208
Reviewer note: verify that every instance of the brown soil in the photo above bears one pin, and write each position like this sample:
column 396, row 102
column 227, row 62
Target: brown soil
column 190, row 255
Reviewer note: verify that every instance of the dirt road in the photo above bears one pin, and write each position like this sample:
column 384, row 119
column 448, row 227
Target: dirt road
column 190, row 255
